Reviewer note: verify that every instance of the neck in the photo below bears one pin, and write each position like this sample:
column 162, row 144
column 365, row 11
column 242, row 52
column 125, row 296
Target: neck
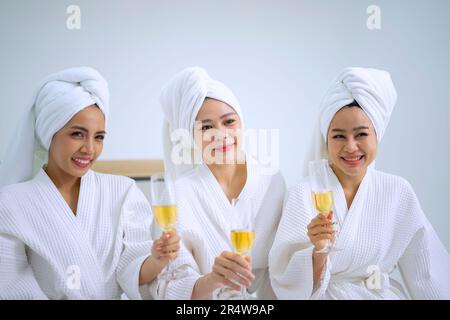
column 63, row 181
column 226, row 174
column 350, row 184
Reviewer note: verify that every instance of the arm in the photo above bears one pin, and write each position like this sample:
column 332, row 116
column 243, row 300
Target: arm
column 135, row 225
column 319, row 261
column 425, row 266
column 163, row 250
column 17, row 279
column 295, row 271
column 320, row 231
column 425, row 263
column 227, row 267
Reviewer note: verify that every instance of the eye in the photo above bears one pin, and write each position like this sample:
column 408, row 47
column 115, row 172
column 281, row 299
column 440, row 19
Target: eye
column 361, row 135
column 77, row 134
column 229, row 122
column 100, row 137
column 339, row 137
column 206, row 127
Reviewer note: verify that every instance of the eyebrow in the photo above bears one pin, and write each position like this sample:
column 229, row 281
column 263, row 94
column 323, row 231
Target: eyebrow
column 354, row 129
column 221, row 117
column 85, row 130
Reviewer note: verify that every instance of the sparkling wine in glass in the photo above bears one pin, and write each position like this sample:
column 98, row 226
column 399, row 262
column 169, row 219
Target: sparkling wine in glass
column 165, row 212
column 242, row 237
column 322, row 195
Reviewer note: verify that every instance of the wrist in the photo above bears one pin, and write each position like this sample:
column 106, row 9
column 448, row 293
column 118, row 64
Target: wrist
column 156, row 262
column 209, row 284
column 203, row 287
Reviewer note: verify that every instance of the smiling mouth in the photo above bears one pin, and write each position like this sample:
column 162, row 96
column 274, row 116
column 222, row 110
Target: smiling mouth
column 224, row 148
column 81, row 163
column 352, row 161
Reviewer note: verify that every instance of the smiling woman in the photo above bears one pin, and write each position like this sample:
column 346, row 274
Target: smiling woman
column 211, row 191
column 381, row 221
column 71, row 233
column 351, row 144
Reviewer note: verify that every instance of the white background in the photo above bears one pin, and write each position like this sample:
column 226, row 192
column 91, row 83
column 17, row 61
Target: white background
column 277, row 56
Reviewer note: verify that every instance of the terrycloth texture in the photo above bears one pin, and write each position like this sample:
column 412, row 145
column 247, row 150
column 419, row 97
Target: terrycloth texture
column 384, row 227
column 58, row 98
column 42, row 243
column 373, row 90
column 205, row 222
column 181, row 99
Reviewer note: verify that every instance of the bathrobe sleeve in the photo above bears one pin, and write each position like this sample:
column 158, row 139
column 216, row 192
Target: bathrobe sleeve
column 425, row 264
column 186, row 274
column 290, row 259
column 268, row 218
column 17, row 280
column 185, row 266
column 136, row 221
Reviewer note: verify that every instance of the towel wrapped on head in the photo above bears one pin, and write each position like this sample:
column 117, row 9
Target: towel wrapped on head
column 58, row 98
column 181, row 99
column 374, row 92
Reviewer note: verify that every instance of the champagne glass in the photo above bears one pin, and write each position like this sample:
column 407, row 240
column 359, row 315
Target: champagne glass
column 322, row 195
column 165, row 212
column 242, row 236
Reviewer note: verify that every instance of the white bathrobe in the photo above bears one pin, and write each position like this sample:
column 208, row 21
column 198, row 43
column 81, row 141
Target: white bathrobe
column 205, row 227
column 48, row 252
column 385, row 227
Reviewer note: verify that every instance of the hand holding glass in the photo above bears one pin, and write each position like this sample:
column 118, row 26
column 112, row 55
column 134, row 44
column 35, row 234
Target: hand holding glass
column 322, row 195
column 242, row 237
column 165, row 212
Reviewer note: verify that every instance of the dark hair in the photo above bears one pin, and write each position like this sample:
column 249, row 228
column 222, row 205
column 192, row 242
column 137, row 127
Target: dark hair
column 353, row 104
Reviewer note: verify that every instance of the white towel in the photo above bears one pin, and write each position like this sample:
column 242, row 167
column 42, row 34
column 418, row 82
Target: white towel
column 181, row 99
column 58, row 98
column 372, row 89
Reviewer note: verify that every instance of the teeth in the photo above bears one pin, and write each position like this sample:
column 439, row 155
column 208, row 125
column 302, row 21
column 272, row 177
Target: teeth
column 224, row 146
column 81, row 161
column 353, row 159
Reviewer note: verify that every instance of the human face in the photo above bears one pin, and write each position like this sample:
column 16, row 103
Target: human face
column 78, row 144
column 217, row 131
column 351, row 143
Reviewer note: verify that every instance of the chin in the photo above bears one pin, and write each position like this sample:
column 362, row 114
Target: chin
column 78, row 172
column 356, row 172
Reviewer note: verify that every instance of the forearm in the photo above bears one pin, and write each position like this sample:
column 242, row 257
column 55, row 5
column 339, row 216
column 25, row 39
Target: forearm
column 319, row 260
column 150, row 270
column 203, row 288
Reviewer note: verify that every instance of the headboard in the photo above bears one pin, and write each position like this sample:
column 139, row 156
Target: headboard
column 136, row 169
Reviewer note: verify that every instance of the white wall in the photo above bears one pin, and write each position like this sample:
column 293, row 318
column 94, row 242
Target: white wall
column 278, row 57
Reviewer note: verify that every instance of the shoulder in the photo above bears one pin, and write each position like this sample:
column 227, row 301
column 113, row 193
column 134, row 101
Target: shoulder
column 387, row 181
column 111, row 181
column 298, row 194
column 187, row 180
column 187, row 177
column 17, row 191
column 15, row 199
column 16, row 188
column 299, row 188
column 267, row 173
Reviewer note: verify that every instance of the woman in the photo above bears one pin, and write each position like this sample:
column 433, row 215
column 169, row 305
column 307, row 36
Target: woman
column 71, row 233
column 214, row 179
column 381, row 222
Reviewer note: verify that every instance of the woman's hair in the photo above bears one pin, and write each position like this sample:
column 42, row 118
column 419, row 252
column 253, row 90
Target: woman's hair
column 353, row 104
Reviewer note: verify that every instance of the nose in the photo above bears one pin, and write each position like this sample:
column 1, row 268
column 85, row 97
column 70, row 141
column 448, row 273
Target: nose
column 351, row 146
column 88, row 146
column 220, row 134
